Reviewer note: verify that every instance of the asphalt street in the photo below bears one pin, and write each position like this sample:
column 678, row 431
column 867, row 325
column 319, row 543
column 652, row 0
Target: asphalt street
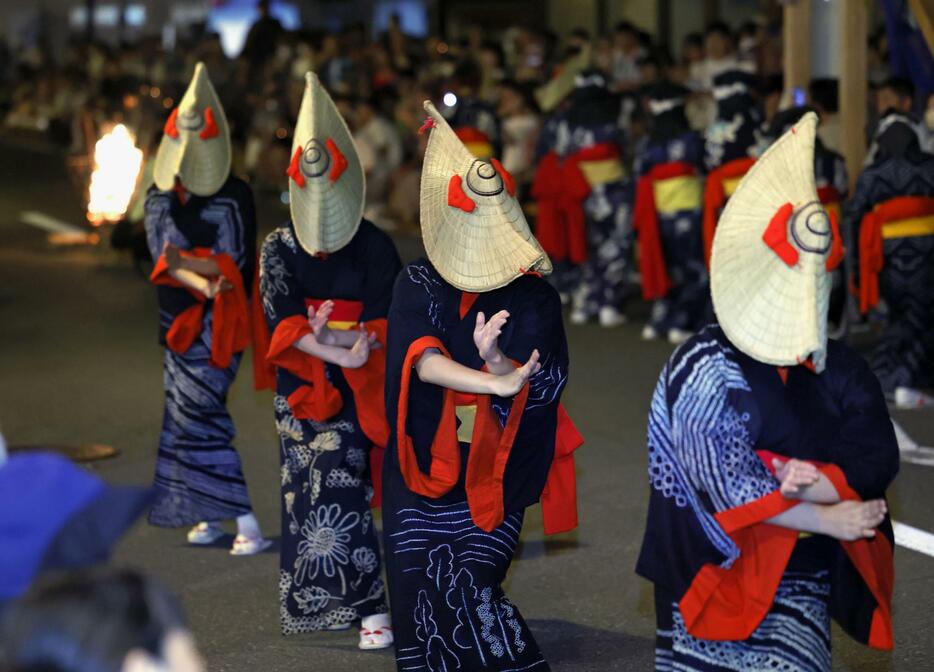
column 79, row 362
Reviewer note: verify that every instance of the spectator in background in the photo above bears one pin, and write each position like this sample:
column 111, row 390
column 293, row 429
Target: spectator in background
column 380, row 151
column 520, row 131
column 626, row 54
column 473, row 119
column 263, row 37
column 719, row 56
column 823, row 93
column 895, row 93
column 103, row 621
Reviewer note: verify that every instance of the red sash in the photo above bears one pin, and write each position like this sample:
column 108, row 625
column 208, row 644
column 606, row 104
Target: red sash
column 231, row 325
column 871, row 257
column 560, row 187
column 490, row 447
column 655, row 280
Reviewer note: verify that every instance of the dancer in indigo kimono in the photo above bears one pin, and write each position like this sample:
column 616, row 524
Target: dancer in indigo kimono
column 584, row 197
column 667, row 217
column 477, row 363
column 730, row 144
column 326, row 281
column 770, row 450
column 201, row 230
column 891, row 215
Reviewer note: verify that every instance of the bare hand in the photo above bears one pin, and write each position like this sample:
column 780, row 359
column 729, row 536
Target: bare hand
column 318, row 321
column 509, row 384
column 851, row 520
column 486, row 336
column 218, row 285
column 795, row 476
column 173, row 257
column 359, row 354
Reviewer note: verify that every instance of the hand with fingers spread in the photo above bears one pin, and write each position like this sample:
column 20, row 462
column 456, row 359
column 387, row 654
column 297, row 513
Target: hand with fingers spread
column 318, row 321
column 359, row 353
column 486, row 337
column 509, row 384
column 851, row 520
column 795, row 476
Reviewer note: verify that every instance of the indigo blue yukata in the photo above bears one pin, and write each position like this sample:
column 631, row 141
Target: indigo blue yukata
column 585, row 197
column 731, row 592
column 904, row 355
column 329, row 574
column 678, row 207
column 198, row 472
column 448, row 552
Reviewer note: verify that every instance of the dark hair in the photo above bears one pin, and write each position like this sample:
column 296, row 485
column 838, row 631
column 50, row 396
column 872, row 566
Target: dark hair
column 468, row 73
column 88, row 622
column 719, row 28
column 626, row 27
column 900, row 86
column 581, row 33
column 824, row 92
column 695, row 39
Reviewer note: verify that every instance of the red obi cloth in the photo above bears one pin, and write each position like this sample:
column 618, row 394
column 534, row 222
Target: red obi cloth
column 655, row 280
column 231, row 327
column 729, row 604
column 896, row 218
column 560, row 188
column 490, row 446
column 721, row 183
column 318, row 399
column 477, row 142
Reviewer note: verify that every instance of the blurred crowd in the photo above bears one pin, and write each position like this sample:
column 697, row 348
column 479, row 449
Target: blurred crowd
column 380, row 83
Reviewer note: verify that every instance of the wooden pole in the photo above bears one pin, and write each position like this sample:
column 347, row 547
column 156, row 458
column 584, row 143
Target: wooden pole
column 796, row 35
column 854, row 86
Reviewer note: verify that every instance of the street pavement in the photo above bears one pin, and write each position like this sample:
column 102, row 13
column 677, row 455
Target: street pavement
column 79, row 362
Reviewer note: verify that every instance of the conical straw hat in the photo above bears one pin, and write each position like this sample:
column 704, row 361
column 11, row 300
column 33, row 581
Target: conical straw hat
column 326, row 182
column 473, row 227
column 196, row 144
column 549, row 95
column 768, row 272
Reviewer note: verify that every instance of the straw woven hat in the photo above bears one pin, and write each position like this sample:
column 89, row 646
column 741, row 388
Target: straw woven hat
column 473, row 227
column 195, row 146
column 768, row 272
column 549, row 95
column 326, row 182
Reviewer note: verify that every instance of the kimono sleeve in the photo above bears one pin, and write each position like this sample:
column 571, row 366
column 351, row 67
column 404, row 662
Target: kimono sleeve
column 282, row 298
column 714, row 441
column 865, row 448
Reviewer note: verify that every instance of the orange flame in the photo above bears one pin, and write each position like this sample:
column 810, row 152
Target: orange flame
column 117, row 162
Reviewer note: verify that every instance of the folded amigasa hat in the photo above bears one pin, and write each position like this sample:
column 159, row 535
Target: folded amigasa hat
column 773, row 247
column 195, row 145
column 326, row 182
column 473, row 227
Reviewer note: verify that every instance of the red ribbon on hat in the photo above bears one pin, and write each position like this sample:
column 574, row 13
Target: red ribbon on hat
column 294, row 171
column 776, row 235
column 456, row 196
column 170, row 129
column 426, row 125
column 210, row 129
column 339, row 161
column 508, row 179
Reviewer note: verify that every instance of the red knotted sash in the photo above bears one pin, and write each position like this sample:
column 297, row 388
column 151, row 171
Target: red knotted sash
column 655, row 280
column 715, row 196
column 231, row 325
column 490, row 447
column 871, row 256
column 560, row 187
column 729, row 604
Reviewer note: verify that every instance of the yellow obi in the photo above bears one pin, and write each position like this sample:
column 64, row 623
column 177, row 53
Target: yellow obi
column 481, row 150
column 905, row 228
column 833, row 208
column 603, row 171
column 730, row 184
column 675, row 194
column 467, row 416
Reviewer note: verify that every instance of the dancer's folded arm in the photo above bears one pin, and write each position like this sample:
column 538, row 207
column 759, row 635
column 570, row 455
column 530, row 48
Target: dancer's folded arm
column 434, row 368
